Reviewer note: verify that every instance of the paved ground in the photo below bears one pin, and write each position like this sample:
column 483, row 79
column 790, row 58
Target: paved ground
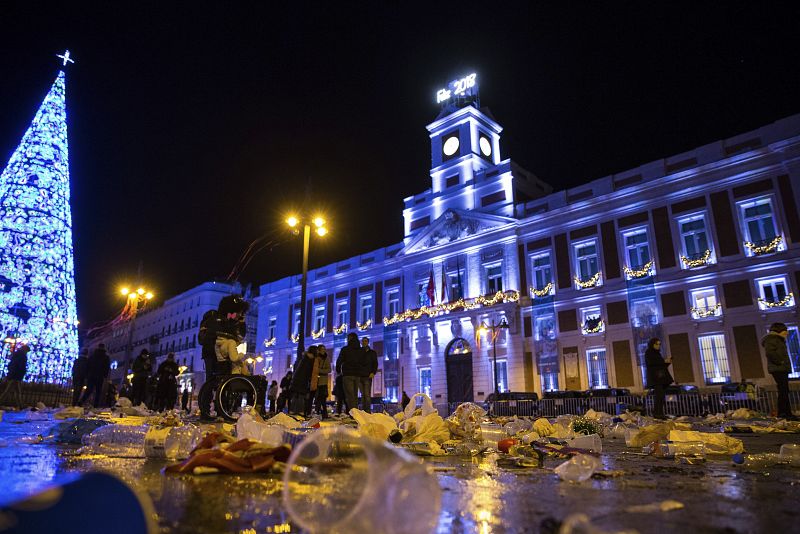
column 478, row 496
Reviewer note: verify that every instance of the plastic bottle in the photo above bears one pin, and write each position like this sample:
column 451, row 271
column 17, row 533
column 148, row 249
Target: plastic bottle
column 578, row 468
column 359, row 484
column 143, row 441
column 676, row 449
column 757, row 461
column 591, row 442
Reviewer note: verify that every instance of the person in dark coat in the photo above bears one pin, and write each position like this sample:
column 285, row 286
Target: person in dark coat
column 301, row 382
column 286, row 389
column 368, row 371
column 167, row 389
column 17, row 368
column 79, row 368
column 338, row 391
column 351, row 365
column 96, row 373
column 658, row 375
column 185, row 400
column 142, row 368
column 779, row 365
column 272, row 396
column 405, row 400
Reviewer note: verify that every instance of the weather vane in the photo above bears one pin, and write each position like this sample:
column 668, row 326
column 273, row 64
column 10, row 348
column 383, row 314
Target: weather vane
column 65, row 57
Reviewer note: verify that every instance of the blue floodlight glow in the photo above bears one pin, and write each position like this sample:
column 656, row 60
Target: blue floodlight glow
column 37, row 273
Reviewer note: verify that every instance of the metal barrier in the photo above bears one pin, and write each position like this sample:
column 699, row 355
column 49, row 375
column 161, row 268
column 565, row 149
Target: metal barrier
column 698, row 405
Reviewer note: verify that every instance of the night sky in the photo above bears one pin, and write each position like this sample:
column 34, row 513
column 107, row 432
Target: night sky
column 194, row 128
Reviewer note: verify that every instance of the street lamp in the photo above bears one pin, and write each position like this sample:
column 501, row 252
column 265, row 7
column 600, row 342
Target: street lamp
column 135, row 299
column 493, row 328
column 318, row 221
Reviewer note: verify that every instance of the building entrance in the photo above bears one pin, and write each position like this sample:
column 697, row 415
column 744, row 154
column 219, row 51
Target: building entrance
column 458, row 362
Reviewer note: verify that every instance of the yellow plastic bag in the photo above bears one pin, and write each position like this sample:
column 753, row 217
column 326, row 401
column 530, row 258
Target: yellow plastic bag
column 647, row 434
column 376, row 425
column 714, row 443
column 542, row 427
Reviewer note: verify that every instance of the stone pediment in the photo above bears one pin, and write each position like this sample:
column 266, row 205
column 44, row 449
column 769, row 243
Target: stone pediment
column 454, row 225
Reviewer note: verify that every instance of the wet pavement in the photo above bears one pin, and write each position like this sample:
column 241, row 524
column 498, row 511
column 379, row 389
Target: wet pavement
column 478, row 496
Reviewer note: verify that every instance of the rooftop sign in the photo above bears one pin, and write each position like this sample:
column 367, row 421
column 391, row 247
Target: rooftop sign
column 466, row 86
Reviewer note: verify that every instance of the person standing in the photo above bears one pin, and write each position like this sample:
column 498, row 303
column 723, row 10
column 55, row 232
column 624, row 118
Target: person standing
column 207, row 339
column 185, row 399
column 349, row 365
column 369, row 370
column 97, row 369
column 79, row 367
column 272, row 396
column 658, row 375
column 338, row 392
column 142, row 367
column 286, row 389
column 404, row 400
column 167, row 391
column 779, row 365
column 17, row 368
column 321, row 387
column 301, row 382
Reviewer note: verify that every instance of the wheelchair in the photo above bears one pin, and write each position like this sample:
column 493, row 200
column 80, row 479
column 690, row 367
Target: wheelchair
column 231, row 393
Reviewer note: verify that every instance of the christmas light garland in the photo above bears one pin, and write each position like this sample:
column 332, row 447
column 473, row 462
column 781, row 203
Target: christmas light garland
column 703, row 312
column 639, row 273
column 318, row 334
column 270, row 342
column 596, row 329
column 544, row 292
column 785, row 301
column 295, row 338
column 770, row 247
column 341, row 329
column 591, row 282
column 699, row 262
column 365, row 325
column 447, row 307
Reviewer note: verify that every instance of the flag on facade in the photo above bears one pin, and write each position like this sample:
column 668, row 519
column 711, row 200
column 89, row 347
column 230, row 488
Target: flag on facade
column 443, row 294
column 431, row 291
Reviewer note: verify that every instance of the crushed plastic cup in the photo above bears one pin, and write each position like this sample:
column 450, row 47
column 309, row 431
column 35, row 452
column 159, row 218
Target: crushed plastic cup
column 143, row 441
column 251, row 426
column 592, row 442
column 492, row 433
column 337, row 480
column 579, row 468
column 512, row 428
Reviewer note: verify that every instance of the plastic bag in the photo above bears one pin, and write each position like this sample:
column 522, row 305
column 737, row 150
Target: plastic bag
column 578, row 468
column 466, row 420
column 411, row 407
column 283, row 419
column 542, row 427
column 427, row 428
column 124, row 402
column 69, row 413
column 743, row 413
column 376, row 425
column 714, row 443
column 648, row 434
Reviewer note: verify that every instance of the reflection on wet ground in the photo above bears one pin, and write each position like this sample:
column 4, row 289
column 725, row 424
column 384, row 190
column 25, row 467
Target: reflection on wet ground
column 478, row 496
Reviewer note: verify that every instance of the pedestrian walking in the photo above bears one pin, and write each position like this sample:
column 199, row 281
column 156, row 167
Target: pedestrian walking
column 272, row 396
column 350, row 364
column 167, row 389
column 185, row 399
column 658, row 375
column 97, row 369
column 369, row 370
column 301, row 382
column 286, row 391
column 17, row 367
column 319, row 383
column 207, row 339
column 779, row 365
column 405, row 400
column 79, row 368
column 142, row 368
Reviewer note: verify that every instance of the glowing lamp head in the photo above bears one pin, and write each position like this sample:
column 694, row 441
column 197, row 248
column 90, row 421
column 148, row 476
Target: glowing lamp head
column 259, row 359
column 292, row 221
column 140, row 291
column 322, row 231
column 124, row 291
column 132, row 295
column 319, row 222
column 148, row 296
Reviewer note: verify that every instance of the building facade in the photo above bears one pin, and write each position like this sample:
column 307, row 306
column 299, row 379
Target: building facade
column 171, row 327
column 699, row 249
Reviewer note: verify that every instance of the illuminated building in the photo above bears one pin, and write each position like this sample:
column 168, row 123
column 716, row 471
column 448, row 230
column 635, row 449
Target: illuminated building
column 699, row 249
column 37, row 279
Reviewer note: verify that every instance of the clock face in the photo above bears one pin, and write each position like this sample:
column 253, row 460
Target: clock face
column 450, row 146
column 486, row 146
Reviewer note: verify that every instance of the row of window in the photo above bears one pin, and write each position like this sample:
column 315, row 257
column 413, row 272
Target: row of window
column 758, row 224
column 714, row 360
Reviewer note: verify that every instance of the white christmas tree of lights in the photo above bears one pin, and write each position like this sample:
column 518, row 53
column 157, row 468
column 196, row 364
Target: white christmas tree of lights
column 37, row 274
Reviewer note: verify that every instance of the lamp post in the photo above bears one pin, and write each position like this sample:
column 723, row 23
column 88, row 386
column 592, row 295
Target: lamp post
column 136, row 299
column 494, row 327
column 319, row 227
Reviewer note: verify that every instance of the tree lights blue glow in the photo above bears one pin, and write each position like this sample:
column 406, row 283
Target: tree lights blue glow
column 37, row 280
